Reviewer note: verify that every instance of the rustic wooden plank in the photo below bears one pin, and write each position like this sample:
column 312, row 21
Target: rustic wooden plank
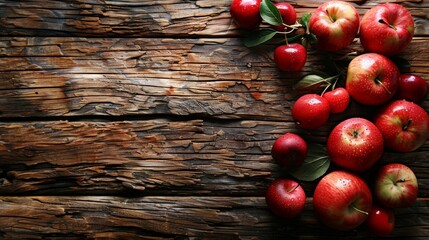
column 158, row 156
column 177, row 217
column 133, row 76
column 178, row 158
column 147, row 18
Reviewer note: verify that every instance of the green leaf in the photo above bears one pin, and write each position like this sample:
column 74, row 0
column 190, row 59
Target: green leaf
column 258, row 37
column 312, row 38
column 315, row 165
column 270, row 13
column 292, row 39
column 312, row 82
column 308, row 39
column 305, row 19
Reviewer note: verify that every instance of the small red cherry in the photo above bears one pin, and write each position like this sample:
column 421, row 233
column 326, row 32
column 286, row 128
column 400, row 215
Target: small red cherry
column 311, row 111
column 338, row 99
column 290, row 57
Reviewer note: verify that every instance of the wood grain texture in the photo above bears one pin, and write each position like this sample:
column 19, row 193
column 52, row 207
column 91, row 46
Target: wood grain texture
column 148, row 18
column 150, row 119
column 177, row 218
column 133, row 76
column 155, row 157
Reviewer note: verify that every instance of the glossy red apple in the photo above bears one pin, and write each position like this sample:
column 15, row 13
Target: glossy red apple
column 372, row 79
column 246, row 13
column 412, row 88
column 387, row 29
column 336, row 24
column 288, row 13
column 380, row 221
column 355, row 144
column 338, row 99
column 342, row 200
column 396, row 186
column 285, row 198
column 289, row 150
column 404, row 125
column 290, row 57
column 311, row 111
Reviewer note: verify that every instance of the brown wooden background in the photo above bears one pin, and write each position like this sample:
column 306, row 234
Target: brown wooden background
column 150, row 119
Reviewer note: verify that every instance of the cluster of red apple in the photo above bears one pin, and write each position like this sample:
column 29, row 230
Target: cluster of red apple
column 342, row 199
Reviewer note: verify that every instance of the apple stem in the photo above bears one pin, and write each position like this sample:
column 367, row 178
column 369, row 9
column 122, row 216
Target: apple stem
column 293, row 189
column 401, row 180
column 405, row 127
column 357, row 209
column 388, row 24
column 330, row 17
column 381, row 83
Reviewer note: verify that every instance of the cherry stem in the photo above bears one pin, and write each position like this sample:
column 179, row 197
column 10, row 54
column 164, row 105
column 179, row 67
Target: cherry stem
column 292, row 28
column 357, row 209
column 326, row 88
column 296, row 25
column 329, row 81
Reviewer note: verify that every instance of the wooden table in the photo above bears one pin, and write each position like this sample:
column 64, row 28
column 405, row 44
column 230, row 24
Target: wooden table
column 150, row 119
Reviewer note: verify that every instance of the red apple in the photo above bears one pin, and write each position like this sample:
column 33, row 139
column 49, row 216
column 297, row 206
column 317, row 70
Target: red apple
column 246, row 13
column 289, row 150
column 288, row 14
column 335, row 23
column 355, row 144
column 285, row 198
column 404, row 125
column 290, row 57
column 396, row 186
column 311, row 111
column 412, row 88
column 372, row 79
column 338, row 99
column 342, row 200
column 381, row 220
column 387, row 29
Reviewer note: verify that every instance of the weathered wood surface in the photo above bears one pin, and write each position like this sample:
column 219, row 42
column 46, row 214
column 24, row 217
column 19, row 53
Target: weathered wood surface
column 155, row 157
column 176, row 218
column 127, row 76
column 150, row 119
column 148, row 18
